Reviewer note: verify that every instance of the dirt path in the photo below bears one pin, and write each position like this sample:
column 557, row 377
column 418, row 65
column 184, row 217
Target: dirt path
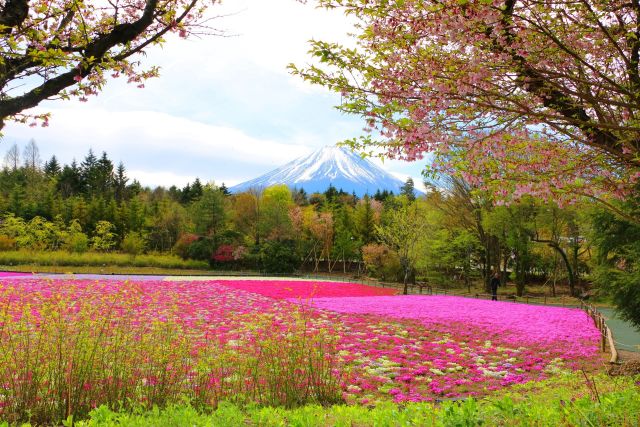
column 629, row 364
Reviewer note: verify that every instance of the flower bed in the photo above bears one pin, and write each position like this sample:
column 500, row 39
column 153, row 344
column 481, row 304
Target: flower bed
column 292, row 289
column 158, row 341
column 454, row 346
column 522, row 324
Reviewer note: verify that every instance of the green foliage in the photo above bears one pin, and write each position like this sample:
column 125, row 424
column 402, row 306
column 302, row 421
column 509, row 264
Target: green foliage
column 275, row 222
column 104, row 238
column 555, row 404
column 408, row 190
column 279, row 257
column 208, row 212
column 366, row 218
column 133, row 244
column 514, row 227
column 60, row 206
column 37, row 234
column 7, row 243
column 76, row 242
column 346, row 246
column 617, row 270
column 201, row 249
column 402, row 231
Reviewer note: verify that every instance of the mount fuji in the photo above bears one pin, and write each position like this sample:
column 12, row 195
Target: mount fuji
column 329, row 165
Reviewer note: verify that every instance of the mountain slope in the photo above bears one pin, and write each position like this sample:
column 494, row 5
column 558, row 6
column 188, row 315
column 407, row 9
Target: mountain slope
column 332, row 165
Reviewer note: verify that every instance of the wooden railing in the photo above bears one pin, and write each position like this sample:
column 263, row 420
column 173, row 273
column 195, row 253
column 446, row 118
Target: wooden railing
column 606, row 337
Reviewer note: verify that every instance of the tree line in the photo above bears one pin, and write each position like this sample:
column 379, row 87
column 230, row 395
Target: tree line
column 456, row 232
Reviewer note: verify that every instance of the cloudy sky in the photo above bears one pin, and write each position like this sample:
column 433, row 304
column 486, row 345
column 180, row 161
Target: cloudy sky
column 225, row 109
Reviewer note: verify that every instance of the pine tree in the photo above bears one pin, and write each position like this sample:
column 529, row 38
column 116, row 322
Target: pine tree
column 408, row 190
column 70, row 180
column 185, row 196
column 104, row 176
column 224, row 190
column 175, row 193
column 52, row 168
column 120, row 184
column 365, row 220
column 331, row 194
column 196, row 190
column 88, row 173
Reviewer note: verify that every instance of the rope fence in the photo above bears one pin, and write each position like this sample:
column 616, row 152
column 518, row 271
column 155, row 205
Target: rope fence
column 606, row 336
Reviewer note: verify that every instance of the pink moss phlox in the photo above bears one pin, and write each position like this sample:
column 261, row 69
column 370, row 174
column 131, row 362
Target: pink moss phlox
column 511, row 322
column 405, row 348
column 283, row 289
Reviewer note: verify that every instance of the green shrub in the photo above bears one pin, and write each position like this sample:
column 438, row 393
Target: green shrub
column 201, row 249
column 181, row 248
column 558, row 405
column 279, row 257
column 104, row 239
column 76, row 242
column 133, row 244
column 7, row 243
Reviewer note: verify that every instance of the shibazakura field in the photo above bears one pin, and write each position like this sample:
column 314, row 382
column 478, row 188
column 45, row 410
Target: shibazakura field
column 70, row 345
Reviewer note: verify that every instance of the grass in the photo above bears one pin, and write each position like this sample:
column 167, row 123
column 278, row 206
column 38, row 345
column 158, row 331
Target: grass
column 107, row 269
column 33, row 261
column 571, row 400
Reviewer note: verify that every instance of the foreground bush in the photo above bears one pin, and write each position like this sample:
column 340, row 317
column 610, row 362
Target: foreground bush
column 575, row 403
column 67, row 349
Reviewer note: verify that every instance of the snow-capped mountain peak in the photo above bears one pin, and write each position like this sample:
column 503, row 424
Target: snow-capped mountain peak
column 330, row 165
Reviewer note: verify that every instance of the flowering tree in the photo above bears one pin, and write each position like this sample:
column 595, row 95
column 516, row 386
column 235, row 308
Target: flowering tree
column 541, row 93
column 65, row 48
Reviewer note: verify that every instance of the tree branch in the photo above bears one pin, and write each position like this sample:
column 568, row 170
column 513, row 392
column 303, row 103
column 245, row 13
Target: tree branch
column 93, row 54
column 533, row 82
column 13, row 15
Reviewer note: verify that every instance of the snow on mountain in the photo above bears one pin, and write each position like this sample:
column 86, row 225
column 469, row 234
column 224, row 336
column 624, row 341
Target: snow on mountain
column 330, row 165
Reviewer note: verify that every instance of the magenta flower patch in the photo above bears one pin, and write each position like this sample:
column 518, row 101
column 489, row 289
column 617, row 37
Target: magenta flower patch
column 401, row 348
column 298, row 289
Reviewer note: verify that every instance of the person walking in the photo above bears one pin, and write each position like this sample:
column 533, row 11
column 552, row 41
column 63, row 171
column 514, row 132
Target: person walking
column 495, row 282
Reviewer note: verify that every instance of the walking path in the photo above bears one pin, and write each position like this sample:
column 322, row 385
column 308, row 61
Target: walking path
column 626, row 336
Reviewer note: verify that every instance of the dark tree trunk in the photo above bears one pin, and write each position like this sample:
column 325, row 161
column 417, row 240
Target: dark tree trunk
column 567, row 263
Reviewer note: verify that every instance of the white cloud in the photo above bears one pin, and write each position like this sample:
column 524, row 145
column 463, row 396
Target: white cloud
column 273, row 33
column 146, row 140
column 154, row 179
